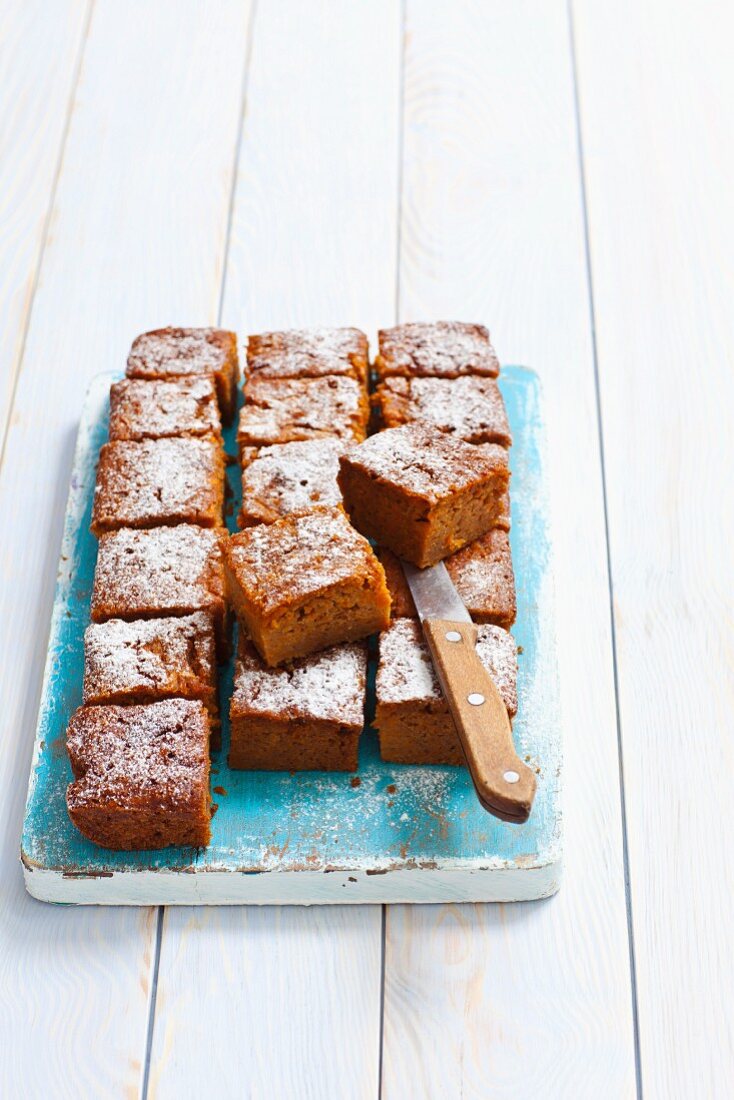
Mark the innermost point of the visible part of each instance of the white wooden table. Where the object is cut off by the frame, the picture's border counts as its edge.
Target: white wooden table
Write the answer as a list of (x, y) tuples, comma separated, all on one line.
[(565, 176)]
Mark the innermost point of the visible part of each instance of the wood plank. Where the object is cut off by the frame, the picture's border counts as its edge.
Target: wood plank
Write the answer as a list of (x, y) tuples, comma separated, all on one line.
[(40, 47), (313, 242), (531, 999), (657, 109), (137, 236)]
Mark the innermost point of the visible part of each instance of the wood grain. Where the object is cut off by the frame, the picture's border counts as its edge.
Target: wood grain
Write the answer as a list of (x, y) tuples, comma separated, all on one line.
[(518, 1001), (40, 47), (657, 108), (313, 242), (136, 237)]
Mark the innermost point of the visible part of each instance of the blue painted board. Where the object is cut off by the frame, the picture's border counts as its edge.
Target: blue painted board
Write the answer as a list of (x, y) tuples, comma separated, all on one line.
[(400, 833)]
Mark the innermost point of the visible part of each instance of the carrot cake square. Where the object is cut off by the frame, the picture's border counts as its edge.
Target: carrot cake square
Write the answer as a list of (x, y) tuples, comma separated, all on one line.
[(290, 477), (173, 352), (155, 410), (284, 410), (309, 353), (141, 774), (159, 482), (151, 659), (412, 716), (439, 349), (160, 572), (307, 716), (470, 407), (421, 493), (304, 583)]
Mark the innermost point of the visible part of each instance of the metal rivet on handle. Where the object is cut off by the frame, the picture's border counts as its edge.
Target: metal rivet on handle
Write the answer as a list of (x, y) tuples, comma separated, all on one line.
[(511, 777), (475, 699), (453, 636)]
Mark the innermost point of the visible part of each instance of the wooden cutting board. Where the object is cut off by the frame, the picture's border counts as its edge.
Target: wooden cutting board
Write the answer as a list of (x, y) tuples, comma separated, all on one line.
[(388, 833)]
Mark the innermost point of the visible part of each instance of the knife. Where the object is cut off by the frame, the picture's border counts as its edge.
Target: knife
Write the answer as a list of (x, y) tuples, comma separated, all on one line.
[(505, 785)]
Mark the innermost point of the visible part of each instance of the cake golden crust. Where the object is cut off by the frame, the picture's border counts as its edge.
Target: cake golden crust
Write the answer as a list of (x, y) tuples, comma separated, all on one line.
[(421, 493), (439, 349), (175, 352), (305, 582), (141, 774)]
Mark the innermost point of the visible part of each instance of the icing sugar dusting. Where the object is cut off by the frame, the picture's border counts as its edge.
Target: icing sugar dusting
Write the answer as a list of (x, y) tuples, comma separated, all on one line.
[(329, 686), (160, 568), (440, 348), (178, 351), (469, 407), (286, 409), (291, 477), (158, 752), (301, 353), (429, 464), (299, 555), (405, 672), (139, 483), (123, 656), (141, 409)]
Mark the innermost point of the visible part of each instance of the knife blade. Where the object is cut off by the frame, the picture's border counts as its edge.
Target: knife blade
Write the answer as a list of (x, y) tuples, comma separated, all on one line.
[(504, 784)]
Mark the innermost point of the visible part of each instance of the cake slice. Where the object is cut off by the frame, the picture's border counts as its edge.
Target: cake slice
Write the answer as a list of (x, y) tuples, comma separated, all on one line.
[(304, 583), (482, 574), (284, 410), (161, 572), (155, 410), (141, 774), (159, 482), (151, 659), (303, 717), (437, 349), (290, 477), (469, 408), (422, 493), (309, 353)]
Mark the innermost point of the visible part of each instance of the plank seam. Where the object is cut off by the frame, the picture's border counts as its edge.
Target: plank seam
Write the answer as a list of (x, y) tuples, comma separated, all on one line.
[(237, 150), (383, 945), (45, 228), (152, 1002), (401, 148), (607, 541), (398, 246)]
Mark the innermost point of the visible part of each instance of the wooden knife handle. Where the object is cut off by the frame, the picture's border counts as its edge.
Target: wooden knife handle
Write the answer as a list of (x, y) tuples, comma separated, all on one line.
[(504, 784)]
